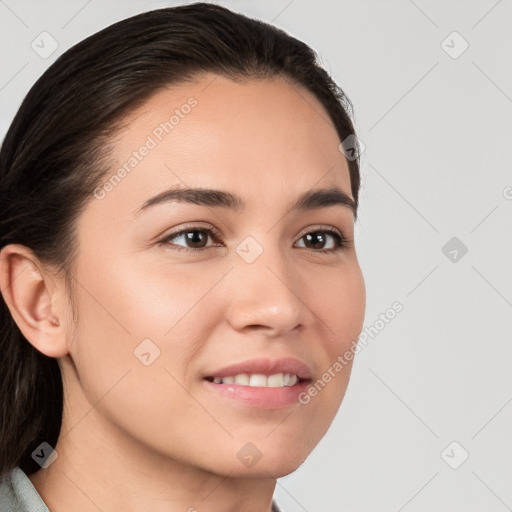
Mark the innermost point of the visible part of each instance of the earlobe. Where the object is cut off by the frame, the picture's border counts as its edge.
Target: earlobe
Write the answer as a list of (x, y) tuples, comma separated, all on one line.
[(29, 293)]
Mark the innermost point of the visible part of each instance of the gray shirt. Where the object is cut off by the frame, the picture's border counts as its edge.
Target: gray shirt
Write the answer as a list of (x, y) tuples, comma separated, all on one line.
[(17, 494)]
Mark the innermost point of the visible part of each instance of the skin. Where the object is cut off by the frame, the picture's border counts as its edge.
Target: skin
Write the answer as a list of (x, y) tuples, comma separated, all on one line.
[(138, 437)]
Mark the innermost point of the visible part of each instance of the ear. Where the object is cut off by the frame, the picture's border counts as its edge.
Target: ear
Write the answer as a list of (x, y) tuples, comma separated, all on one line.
[(30, 292)]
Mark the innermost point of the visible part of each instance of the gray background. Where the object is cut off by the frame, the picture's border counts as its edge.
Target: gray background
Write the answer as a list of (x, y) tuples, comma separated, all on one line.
[(437, 128)]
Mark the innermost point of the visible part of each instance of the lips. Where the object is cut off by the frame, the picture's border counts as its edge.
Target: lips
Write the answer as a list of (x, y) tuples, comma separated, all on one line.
[(264, 366), (277, 383)]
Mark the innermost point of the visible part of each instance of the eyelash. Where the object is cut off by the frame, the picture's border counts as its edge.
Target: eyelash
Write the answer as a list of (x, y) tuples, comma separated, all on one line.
[(343, 242)]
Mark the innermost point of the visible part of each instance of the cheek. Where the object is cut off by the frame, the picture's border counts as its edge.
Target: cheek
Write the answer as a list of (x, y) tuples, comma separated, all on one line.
[(122, 311), (342, 308), (126, 303), (141, 319)]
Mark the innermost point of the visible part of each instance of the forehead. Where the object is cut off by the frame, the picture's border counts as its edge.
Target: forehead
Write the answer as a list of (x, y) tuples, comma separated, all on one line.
[(260, 136)]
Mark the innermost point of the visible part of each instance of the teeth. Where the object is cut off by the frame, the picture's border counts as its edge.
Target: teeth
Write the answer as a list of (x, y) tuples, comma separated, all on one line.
[(242, 379), (275, 381), (259, 380)]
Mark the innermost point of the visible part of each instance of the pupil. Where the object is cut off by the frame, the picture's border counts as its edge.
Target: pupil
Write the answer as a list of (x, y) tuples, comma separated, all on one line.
[(192, 238), (320, 237)]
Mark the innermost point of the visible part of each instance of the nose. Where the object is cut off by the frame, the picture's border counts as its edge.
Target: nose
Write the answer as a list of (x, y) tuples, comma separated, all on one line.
[(267, 295)]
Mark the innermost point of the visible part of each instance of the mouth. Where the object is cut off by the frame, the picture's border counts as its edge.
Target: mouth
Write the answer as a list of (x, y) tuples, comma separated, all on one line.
[(261, 383), (259, 380)]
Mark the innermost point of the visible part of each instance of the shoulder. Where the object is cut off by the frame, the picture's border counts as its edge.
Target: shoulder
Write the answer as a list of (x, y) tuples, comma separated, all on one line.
[(17, 494)]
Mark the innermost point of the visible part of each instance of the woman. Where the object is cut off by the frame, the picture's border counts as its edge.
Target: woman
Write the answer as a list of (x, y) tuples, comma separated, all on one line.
[(178, 269)]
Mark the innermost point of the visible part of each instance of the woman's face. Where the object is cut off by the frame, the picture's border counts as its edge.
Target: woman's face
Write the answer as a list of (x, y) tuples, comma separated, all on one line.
[(157, 321)]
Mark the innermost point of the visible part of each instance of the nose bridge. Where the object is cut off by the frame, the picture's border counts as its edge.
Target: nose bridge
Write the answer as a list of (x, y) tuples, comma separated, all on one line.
[(265, 292)]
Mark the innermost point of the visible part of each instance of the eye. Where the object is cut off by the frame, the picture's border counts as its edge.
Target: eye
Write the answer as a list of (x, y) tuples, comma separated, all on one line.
[(319, 237), (197, 238), (190, 236)]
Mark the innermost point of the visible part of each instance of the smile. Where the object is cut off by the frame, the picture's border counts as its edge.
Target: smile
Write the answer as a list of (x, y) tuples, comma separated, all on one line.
[(277, 380)]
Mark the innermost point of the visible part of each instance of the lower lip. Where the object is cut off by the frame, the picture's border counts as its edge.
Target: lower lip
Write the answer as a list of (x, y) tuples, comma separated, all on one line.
[(261, 397)]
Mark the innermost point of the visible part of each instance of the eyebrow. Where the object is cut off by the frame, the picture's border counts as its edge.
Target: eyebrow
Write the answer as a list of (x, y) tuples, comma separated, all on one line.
[(309, 200)]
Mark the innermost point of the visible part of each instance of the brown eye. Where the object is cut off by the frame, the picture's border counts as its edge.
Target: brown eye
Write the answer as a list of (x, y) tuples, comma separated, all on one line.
[(195, 238), (316, 240)]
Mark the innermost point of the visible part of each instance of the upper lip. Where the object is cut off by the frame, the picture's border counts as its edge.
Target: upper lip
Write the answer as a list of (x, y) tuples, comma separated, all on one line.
[(266, 367)]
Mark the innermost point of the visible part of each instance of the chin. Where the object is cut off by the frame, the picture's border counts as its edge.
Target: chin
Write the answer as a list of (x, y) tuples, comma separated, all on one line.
[(268, 469), (266, 459)]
